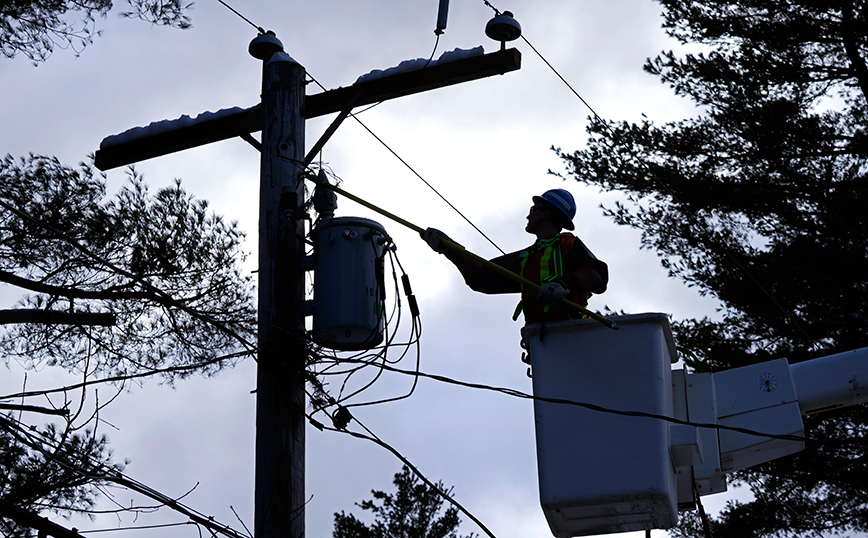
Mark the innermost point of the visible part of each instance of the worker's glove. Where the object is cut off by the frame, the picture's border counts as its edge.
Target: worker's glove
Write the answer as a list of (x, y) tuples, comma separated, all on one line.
[(551, 293), (432, 236)]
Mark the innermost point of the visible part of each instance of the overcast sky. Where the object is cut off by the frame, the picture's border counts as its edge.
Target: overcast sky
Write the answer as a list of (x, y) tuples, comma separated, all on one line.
[(484, 145)]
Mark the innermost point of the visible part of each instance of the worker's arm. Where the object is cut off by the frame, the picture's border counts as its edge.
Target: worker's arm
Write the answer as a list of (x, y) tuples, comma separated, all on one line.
[(486, 280), (476, 276)]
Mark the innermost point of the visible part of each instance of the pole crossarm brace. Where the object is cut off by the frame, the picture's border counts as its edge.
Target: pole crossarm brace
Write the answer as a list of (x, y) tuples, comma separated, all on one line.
[(250, 120)]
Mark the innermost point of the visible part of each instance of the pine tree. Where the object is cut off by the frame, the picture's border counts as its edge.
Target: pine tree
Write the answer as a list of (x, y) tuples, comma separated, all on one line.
[(759, 201), (132, 286), (412, 512)]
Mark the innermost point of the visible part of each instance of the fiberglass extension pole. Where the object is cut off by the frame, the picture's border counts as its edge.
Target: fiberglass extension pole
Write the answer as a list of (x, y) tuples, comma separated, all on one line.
[(461, 250)]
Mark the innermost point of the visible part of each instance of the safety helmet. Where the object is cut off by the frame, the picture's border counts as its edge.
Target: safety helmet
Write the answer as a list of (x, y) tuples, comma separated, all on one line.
[(562, 201)]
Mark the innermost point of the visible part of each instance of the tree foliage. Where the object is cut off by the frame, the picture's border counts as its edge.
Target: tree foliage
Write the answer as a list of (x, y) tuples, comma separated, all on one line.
[(165, 271), (759, 200), (412, 512), (35, 28), (55, 469)]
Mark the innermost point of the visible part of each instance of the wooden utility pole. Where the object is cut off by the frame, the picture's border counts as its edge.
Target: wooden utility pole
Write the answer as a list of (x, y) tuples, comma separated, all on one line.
[(280, 399), (280, 385)]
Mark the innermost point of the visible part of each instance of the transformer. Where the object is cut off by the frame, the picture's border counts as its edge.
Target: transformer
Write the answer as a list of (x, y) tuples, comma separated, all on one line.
[(349, 288)]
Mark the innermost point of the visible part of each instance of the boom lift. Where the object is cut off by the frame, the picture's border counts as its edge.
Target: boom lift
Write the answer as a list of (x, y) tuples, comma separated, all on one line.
[(622, 438)]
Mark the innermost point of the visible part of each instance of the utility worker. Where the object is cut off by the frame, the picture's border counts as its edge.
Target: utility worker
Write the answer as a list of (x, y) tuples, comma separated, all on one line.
[(558, 261)]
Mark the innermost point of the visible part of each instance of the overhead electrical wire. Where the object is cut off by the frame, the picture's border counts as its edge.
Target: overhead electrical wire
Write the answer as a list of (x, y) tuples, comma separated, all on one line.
[(115, 379), (251, 349), (383, 365), (381, 355), (120, 479), (248, 21), (172, 504), (431, 57), (471, 385), (407, 165), (374, 439), (593, 407), (141, 527)]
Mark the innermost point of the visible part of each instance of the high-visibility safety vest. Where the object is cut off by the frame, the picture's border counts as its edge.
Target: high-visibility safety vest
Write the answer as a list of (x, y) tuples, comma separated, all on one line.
[(551, 265)]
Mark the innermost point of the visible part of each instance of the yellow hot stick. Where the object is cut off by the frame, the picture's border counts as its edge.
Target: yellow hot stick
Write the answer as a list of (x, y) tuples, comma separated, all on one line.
[(518, 278), (461, 250)]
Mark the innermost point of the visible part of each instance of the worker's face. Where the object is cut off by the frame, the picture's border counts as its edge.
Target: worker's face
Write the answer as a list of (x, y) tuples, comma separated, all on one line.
[(537, 214)]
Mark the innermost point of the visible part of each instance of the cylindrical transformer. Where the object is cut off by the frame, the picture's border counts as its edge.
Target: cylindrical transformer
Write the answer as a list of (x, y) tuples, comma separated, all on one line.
[(349, 289)]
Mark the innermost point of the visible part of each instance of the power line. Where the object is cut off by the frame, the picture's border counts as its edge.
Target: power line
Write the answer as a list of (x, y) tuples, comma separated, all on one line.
[(593, 407), (407, 165), (114, 379), (28, 438), (248, 21), (374, 439), (169, 502), (120, 479), (142, 527)]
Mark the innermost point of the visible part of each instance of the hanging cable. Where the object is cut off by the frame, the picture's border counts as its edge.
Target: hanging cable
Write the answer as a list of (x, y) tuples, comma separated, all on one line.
[(373, 438), (96, 470), (593, 407), (427, 62), (706, 524)]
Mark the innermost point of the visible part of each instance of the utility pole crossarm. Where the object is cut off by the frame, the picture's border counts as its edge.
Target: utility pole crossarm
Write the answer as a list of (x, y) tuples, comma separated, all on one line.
[(249, 120), (178, 139), (418, 80)]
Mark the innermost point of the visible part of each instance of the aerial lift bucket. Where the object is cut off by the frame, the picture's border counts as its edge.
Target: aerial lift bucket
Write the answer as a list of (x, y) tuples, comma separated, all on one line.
[(601, 472)]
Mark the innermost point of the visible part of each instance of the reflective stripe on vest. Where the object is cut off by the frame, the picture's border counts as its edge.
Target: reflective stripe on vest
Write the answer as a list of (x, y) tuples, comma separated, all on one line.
[(551, 266)]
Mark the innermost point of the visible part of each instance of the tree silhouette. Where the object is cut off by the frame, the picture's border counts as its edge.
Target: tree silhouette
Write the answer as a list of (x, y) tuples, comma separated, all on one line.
[(411, 512), (759, 200), (114, 289)]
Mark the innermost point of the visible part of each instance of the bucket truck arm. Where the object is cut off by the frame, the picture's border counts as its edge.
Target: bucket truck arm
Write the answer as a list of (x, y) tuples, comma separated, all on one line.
[(769, 397)]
